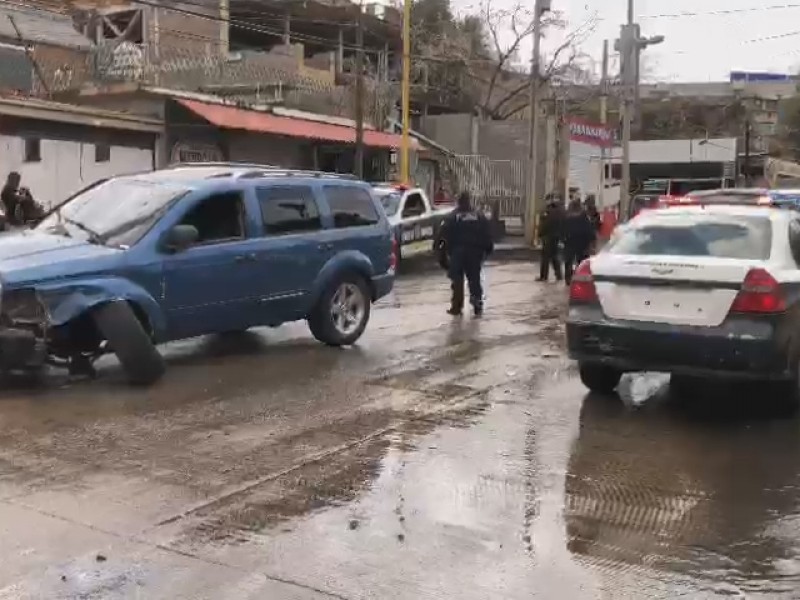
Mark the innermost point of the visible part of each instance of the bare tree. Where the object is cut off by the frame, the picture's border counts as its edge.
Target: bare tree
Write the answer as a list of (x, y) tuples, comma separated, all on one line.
[(501, 81)]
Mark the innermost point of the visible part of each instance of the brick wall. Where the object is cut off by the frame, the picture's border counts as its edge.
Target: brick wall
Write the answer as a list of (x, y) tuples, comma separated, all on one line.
[(179, 30)]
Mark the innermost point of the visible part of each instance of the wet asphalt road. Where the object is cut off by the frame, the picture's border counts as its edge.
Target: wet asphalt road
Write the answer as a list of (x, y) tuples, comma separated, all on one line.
[(438, 459)]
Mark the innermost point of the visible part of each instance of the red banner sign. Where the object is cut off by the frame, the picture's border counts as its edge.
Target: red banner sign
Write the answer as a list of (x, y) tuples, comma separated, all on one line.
[(587, 132)]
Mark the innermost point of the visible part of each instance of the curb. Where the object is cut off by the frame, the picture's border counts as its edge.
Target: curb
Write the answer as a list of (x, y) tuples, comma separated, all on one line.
[(503, 253)]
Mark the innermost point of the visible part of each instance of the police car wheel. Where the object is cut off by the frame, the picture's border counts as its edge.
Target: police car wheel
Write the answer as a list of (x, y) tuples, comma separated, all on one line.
[(599, 378), (342, 312)]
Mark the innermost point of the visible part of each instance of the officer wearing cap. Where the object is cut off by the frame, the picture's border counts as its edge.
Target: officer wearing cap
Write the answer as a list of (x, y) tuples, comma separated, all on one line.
[(467, 240)]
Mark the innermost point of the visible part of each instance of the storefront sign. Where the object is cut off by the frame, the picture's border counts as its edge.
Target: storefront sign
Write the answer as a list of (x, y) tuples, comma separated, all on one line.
[(591, 133)]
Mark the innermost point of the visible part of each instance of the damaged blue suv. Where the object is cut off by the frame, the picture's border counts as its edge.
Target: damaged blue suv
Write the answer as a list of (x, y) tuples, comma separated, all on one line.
[(139, 260)]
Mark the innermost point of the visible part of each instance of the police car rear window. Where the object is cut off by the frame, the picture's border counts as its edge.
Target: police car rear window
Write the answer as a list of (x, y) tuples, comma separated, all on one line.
[(742, 237), (390, 200)]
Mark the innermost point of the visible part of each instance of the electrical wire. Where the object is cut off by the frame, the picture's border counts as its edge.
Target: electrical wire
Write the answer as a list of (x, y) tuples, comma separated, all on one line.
[(722, 12)]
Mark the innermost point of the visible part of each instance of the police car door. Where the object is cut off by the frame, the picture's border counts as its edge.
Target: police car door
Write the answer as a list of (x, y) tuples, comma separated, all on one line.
[(417, 227)]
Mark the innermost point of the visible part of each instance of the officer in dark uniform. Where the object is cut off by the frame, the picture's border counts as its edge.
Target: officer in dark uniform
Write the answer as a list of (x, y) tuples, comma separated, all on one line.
[(551, 225), (467, 240), (579, 236)]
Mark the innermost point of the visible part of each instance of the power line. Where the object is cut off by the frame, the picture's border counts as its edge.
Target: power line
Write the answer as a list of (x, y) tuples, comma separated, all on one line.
[(771, 38), (722, 13)]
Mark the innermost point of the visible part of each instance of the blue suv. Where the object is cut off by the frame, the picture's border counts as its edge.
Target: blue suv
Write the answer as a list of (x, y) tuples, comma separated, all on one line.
[(134, 261)]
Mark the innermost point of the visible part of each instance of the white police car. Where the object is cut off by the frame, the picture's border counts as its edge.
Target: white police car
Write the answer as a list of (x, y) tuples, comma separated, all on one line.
[(703, 290)]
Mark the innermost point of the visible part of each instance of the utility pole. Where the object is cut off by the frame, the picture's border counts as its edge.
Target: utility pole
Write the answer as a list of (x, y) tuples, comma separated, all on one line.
[(604, 122), (630, 45), (359, 155), (532, 205), (746, 165), (405, 167)]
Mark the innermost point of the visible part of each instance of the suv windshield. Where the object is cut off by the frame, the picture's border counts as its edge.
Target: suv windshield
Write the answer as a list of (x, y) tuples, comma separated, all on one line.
[(117, 212), (742, 237), (390, 200)]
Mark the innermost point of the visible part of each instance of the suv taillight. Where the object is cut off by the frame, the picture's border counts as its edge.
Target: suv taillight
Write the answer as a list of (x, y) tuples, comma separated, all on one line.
[(582, 288), (393, 256), (760, 293)]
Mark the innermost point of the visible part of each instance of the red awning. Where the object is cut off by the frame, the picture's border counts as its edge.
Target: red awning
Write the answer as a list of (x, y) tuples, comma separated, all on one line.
[(230, 117)]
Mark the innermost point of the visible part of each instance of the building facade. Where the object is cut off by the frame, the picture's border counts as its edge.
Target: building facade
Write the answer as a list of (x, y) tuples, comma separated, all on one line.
[(59, 149)]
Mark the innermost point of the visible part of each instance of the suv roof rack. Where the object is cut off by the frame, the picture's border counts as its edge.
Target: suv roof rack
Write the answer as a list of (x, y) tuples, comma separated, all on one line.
[(246, 170), (220, 163), (256, 173)]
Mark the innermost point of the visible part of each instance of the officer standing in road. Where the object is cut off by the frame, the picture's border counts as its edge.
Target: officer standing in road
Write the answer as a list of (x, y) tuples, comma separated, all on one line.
[(551, 227), (579, 235), (467, 240)]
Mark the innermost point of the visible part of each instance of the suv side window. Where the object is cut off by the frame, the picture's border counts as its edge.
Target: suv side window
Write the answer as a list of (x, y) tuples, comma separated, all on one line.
[(414, 206), (218, 218), (350, 206), (288, 209)]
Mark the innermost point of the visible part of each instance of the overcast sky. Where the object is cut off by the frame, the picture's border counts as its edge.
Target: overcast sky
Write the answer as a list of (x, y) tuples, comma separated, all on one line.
[(700, 46)]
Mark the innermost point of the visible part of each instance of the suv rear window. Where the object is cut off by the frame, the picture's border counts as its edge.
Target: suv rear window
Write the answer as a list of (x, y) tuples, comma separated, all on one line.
[(742, 237), (350, 206)]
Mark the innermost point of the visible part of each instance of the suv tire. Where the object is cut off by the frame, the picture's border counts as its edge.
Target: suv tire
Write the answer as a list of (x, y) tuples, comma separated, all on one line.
[(599, 378), (342, 311), (141, 361)]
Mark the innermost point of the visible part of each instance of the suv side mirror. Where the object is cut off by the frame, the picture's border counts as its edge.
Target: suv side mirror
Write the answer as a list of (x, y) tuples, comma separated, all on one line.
[(180, 238)]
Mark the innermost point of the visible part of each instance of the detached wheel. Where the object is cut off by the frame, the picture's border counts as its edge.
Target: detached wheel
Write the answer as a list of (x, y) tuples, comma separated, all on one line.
[(342, 312), (599, 378), (126, 337)]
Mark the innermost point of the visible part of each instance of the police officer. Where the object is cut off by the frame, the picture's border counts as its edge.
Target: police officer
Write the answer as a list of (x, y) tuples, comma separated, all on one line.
[(551, 227), (579, 236), (467, 240)]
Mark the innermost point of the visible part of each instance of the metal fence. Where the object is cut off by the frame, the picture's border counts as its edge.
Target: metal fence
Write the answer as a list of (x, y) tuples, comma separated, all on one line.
[(500, 183)]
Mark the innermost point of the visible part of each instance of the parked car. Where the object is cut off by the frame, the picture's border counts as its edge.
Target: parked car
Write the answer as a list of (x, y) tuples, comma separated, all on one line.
[(187, 251), (695, 291), (414, 219)]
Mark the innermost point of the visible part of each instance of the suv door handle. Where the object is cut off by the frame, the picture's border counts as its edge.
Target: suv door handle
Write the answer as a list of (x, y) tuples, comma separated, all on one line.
[(245, 258), (326, 246)]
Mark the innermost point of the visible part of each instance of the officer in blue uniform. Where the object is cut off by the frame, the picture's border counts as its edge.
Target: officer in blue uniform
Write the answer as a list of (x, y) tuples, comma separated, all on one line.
[(466, 238)]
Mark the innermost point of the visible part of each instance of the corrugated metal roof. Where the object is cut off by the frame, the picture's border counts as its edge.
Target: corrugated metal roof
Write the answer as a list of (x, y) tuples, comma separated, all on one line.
[(230, 117), (40, 26), (47, 110)]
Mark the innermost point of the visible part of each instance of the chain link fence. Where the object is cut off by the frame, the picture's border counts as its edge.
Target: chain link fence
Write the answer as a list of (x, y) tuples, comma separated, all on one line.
[(249, 78)]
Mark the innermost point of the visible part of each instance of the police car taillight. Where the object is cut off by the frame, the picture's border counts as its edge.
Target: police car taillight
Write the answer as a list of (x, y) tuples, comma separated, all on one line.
[(760, 293), (581, 289)]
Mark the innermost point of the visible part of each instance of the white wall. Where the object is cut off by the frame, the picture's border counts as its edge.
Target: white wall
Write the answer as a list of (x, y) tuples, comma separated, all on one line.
[(66, 166), (681, 151), (584, 166)]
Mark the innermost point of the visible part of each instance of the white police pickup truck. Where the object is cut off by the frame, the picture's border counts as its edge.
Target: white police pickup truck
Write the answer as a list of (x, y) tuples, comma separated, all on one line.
[(413, 217)]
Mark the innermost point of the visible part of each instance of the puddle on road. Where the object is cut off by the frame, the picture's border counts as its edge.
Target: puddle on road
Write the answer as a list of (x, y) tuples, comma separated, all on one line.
[(679, 504), (448, 490)]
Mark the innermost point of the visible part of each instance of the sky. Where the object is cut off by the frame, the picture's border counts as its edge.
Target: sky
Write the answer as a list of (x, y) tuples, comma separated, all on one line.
[(754, 35)]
